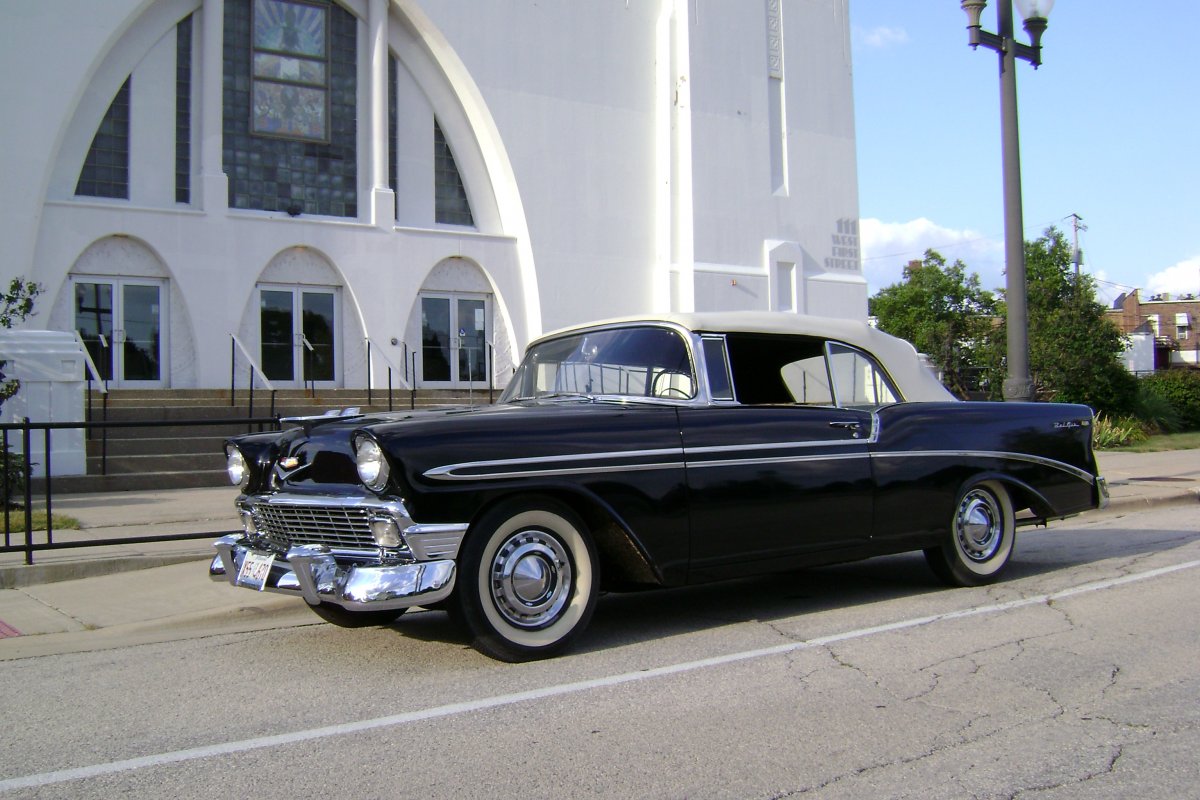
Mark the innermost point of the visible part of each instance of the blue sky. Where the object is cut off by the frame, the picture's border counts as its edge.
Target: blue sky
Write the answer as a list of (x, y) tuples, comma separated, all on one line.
[(1110, 130)]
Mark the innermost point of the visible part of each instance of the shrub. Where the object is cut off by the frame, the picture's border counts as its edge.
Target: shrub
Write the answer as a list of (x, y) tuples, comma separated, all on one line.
[(12, 478), (1181, 388), (1155, 411), (1120, 432)]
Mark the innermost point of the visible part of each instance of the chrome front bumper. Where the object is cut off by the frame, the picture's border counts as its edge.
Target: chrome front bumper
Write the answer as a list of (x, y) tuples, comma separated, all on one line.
[(311, 571)]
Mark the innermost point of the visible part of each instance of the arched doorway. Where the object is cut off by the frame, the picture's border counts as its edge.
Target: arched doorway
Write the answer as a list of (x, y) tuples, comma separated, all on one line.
[(117, 298), (459, 324), (296, 324), (455, 336)]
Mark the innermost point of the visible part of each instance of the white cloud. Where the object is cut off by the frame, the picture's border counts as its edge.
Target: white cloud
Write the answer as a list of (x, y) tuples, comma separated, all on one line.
[(882, 37), (888, 246), (1181, 279)]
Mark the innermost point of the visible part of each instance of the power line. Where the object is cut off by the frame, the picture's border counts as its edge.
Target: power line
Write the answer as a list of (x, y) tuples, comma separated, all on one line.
[(960, 243)]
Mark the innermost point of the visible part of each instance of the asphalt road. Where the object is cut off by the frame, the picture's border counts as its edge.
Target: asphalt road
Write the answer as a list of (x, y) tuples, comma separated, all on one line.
[(1077, 677)]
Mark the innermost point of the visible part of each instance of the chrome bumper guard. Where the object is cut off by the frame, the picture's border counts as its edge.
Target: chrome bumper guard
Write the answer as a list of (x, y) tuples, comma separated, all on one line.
[(1102, 492), (349, 567), (310, 571)]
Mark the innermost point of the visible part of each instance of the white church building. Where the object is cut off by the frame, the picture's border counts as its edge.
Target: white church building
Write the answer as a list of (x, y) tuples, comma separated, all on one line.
[(304, 185)]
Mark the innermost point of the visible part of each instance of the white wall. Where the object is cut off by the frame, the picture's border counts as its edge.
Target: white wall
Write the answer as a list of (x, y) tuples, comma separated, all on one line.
[(611, 150)]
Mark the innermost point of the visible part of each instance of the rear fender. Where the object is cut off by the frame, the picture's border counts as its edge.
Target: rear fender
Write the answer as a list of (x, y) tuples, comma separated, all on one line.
[(1023, 496)]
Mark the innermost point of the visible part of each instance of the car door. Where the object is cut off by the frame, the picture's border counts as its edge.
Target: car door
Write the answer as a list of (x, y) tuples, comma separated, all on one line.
[(769, 484), (778, 465)]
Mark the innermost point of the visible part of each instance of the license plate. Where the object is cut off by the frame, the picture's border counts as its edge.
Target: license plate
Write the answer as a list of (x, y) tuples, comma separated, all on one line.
[(256, 568)]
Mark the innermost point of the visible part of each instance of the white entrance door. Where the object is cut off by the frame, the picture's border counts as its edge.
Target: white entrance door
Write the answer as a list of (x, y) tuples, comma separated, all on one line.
[(455, 332), (298, 335), (122, 322)]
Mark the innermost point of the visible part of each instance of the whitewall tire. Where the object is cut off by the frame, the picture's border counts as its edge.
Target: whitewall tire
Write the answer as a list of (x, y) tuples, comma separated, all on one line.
[(980, 540), (528, 580)]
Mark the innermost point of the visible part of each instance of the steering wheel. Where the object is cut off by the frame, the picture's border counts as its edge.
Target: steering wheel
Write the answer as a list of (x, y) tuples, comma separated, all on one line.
[(669, 390)]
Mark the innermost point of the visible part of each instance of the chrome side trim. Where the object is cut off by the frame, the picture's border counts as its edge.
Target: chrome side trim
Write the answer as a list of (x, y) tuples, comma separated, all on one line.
[(741, 448), (1082, 474), (749, 462), (455, 472), (510, 467)]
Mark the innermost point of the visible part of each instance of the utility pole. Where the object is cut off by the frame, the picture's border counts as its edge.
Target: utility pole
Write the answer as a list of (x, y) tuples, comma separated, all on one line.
[(1076, 253)]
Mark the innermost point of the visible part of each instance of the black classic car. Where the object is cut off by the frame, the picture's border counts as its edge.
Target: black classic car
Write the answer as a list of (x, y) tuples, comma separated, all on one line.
[(643, 453)]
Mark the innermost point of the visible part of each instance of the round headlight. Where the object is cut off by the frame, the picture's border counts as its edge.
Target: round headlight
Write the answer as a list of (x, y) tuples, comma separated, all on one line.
[(235, 465), (372, 466)]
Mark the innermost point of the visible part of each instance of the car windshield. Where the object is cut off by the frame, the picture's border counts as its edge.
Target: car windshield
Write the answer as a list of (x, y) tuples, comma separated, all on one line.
[(633, 362)]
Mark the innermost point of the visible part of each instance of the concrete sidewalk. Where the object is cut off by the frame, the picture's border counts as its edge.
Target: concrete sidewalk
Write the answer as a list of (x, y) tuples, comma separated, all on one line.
[(120, 515), (79, 598)]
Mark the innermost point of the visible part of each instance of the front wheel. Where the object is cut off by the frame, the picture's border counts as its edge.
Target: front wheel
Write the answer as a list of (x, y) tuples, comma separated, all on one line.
[(982, 532), (528, 580)]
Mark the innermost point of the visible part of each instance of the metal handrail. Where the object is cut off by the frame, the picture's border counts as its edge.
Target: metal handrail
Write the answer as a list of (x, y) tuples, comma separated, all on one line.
[(26, 429), (94, 375), (253, 364), (308, 357), (90, 364), (235, 345), (392, 370)]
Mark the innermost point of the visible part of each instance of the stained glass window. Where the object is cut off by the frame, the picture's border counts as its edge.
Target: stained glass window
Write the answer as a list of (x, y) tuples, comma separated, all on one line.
[(290, 96), (288, 174)]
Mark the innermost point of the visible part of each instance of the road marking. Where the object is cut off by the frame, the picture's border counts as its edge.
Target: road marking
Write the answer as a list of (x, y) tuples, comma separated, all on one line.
[(7, 630), (483, 704)]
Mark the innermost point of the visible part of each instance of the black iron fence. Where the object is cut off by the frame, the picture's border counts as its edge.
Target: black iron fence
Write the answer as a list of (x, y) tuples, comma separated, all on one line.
[(17, 482)]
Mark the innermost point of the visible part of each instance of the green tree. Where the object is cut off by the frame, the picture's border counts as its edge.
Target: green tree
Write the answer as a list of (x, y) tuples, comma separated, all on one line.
[(1074, 350), (15, 305), (944, 313)]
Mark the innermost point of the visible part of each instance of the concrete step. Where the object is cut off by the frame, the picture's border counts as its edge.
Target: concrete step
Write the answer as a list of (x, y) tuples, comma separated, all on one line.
[(181, 479), (172, 455), (117, 448), (169, 431), (156, 463)]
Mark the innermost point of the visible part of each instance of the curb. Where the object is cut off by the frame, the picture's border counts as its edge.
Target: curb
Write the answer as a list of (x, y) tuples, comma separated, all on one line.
[(275, 612), (15, 577), (1126, 504)]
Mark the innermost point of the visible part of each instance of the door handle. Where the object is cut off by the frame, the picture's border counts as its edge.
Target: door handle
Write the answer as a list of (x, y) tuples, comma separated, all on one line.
[(855, 428)]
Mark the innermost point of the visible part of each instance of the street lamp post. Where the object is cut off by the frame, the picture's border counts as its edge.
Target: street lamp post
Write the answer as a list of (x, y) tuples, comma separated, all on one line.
[(1018, 385)]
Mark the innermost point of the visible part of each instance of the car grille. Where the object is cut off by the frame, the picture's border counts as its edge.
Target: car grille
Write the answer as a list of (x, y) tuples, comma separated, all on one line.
[(334, 526)]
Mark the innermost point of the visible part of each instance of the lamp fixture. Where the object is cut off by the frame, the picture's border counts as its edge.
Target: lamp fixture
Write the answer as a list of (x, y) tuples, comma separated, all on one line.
[(1033, 12)]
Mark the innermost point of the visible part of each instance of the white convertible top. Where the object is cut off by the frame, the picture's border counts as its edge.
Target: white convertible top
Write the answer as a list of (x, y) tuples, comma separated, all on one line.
[(915, 380)]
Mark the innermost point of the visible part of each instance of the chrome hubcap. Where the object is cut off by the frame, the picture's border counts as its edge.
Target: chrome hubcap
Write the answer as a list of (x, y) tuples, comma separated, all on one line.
[(531, 578), (979, 525)]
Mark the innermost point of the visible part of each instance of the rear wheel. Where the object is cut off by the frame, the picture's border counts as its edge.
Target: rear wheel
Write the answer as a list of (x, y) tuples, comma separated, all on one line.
[(528, 580), (343, 618), (980, 540)]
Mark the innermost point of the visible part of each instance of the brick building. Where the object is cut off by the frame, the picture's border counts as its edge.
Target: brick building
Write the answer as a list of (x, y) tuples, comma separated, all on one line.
[(1170, 323)]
